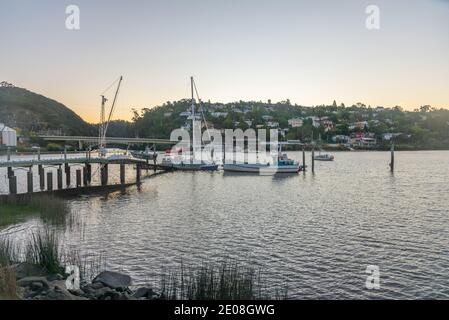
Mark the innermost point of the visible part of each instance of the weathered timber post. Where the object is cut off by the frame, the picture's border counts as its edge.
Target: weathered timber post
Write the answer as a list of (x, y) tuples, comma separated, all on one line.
[(59, 177), (10, 172), (89, 173), (313, 159), (8, 157), (392, 158), (30, 186), (138, 173), (49, 181), (85, 176), (104, 174), (13, 184), (122, 173), (67, 175), (39, 153), (65, 153), (41, 172), (78, 178), (303, 159)]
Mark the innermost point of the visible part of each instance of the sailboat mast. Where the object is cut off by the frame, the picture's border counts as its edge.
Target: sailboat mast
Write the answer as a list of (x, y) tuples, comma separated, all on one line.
[(193, 118)]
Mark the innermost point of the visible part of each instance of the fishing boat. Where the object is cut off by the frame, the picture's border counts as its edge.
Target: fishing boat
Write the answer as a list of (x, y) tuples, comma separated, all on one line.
[(185, 160), (282, 164)]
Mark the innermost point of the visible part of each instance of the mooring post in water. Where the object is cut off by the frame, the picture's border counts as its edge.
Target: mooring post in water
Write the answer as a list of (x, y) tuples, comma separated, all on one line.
[(13, 184), (8, 157), (313, 159), (85, 182), (392, 158), (59, 177), (89, 173), (49, 181), (78, 178), (138, 168), (104, 174), (41, 173), (65, 153), (10, 172), (30, 181), (39, 153), (122, 173), (303, 159), (67, 175)]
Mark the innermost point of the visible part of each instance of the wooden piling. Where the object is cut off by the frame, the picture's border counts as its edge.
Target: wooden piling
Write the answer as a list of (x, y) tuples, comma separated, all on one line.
[(30, 186), (10, 172), (85, 175), (41, 172), (303, 159), (13, 184), (122, 173), (313, 159), (67, 175), (392, 158), (89, 173), (9, 154), (78, 178), (104, 174), (49, 181), (138, 173), (59, 178)]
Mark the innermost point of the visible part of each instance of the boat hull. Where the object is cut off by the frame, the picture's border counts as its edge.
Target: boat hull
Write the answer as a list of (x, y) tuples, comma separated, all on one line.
[(260, 168), (190, 166)]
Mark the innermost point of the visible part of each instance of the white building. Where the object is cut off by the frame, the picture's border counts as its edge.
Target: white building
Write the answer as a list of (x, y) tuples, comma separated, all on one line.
[(8, 136), (219, 114), (295, 122)]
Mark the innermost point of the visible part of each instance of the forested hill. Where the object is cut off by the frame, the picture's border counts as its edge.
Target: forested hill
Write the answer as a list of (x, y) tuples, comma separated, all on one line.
[(20, 108)]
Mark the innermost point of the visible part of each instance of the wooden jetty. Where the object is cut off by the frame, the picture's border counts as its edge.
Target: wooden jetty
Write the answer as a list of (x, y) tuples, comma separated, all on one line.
[(83, 176)]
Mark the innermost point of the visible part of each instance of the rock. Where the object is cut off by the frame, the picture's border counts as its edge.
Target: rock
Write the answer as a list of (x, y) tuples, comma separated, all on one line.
[(25, 269), (54, 277), (113, 280), (144, 293), (29, 281), (78, 292), (36, 286)]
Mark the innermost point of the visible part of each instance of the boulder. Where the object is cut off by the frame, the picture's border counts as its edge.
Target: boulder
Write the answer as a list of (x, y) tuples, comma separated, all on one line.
[(114, 280), (144, 293), (33, 282), (26, 269)]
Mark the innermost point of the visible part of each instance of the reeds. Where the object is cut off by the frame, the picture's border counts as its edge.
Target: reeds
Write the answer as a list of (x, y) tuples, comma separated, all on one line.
[(227, 281), (8, 284), (43, 249)]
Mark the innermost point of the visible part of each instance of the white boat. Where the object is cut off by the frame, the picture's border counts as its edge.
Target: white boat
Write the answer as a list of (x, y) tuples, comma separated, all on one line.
[(283, 165), (324, 157)]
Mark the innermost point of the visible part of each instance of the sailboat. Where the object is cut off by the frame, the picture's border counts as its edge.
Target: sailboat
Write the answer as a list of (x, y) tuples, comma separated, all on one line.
[(323, 156), (183, 160)]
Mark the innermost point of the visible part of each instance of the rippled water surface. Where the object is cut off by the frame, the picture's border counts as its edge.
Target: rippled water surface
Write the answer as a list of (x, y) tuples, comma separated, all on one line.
[(318, 233)]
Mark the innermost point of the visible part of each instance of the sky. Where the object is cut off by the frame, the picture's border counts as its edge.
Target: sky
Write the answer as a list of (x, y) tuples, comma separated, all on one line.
[(310, 52)]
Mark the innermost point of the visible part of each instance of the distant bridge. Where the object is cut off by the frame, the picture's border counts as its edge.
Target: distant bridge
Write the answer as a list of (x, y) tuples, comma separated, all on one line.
[(117, 140)]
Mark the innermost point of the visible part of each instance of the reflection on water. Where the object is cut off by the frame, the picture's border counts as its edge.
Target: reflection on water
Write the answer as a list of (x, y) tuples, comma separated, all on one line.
[(316, 232)]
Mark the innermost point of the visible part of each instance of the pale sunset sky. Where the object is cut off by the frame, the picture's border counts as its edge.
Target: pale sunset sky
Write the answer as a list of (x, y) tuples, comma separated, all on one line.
[(310, 52)]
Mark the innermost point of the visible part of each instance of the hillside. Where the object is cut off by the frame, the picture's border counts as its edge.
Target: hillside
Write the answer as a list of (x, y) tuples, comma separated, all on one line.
[(20, 108)]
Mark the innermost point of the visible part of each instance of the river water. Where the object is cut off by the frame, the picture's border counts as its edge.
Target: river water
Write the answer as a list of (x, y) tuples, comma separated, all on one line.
[(316, 233)]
